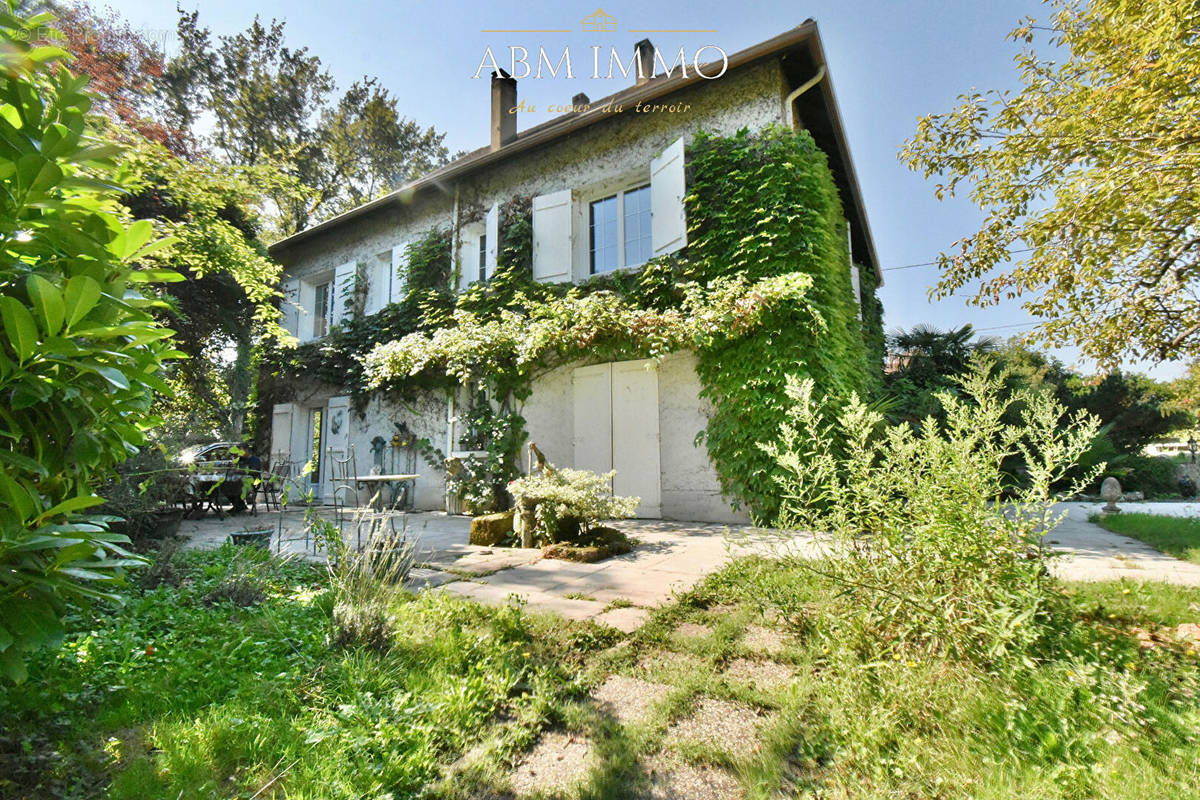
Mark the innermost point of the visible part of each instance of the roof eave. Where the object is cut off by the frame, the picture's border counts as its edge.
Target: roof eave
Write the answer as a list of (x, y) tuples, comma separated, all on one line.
[(444, 177)]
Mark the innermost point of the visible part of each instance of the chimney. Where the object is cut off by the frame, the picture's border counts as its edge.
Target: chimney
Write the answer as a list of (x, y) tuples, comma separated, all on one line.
[(579, 101), (645, 61), (504, 98)]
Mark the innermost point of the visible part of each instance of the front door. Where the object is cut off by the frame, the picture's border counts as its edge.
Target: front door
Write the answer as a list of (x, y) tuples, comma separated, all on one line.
[(616, 428)]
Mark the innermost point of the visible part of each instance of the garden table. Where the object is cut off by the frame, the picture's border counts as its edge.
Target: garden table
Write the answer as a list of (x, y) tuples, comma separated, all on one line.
[(380, 481)]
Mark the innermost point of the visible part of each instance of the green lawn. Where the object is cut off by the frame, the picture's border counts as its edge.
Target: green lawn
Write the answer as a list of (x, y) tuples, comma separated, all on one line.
[(1176, 536), (183, 693)]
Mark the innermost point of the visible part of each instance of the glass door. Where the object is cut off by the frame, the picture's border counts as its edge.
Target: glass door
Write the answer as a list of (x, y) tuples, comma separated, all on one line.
[(316, 429)]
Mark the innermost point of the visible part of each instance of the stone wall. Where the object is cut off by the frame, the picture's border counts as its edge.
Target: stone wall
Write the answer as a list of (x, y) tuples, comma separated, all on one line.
[(750, 97)]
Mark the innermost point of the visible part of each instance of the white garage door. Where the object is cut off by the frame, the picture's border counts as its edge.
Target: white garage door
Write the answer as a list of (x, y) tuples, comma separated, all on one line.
[(616, 427)]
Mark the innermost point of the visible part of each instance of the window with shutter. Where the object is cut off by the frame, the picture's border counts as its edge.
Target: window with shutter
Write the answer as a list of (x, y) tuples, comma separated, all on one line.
[(322, 301)]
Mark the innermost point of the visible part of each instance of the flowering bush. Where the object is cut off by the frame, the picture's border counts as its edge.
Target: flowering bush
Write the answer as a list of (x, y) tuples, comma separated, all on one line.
[(576, 324), (570, 502)]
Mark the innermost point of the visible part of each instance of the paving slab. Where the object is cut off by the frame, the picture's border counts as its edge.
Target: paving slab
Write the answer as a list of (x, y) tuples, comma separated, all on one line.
[(628, 699), (423, 578), (1090, 553), (558, 761), (672, 778), (627, 620), (732, 727)]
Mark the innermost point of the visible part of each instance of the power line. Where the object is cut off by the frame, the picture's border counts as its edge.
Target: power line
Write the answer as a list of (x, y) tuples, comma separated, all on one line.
[(933, 263), (1002, 327)]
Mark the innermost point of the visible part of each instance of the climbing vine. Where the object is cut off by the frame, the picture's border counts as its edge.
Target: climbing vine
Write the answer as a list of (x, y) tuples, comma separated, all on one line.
[(761, 292), (766, 204)]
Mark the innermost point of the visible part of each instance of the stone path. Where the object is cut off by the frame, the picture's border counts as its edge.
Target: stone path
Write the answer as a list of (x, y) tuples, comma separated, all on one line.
[(671, 557), (1094, 554), (618, 591), (694, 749)]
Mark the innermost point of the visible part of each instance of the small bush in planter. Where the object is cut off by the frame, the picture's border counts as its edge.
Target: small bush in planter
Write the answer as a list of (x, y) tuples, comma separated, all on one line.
[(569, 502), (599, 543)]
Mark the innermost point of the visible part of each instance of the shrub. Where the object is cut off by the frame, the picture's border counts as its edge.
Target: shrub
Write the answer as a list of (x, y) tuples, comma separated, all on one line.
[(1152, 476), (366, 585), (599, 543), (141, 492), (79, 351), (930, 554), (569, 502)]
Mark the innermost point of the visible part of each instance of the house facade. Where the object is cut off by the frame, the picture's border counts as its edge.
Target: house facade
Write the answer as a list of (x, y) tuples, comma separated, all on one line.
[(607, 191)]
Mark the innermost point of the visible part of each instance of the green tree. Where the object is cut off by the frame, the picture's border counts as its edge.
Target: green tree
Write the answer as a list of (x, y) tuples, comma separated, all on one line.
[(924, 361), (226, 301), (80, 352), (1088, 173), (271, 104), (212, 210)]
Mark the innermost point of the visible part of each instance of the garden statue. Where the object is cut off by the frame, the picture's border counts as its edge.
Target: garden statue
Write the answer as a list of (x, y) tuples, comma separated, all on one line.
[(1110, 492), (377, 446)]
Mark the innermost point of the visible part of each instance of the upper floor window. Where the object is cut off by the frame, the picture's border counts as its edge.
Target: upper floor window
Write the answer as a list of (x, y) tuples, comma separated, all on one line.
[(322, 307), (619, 230)]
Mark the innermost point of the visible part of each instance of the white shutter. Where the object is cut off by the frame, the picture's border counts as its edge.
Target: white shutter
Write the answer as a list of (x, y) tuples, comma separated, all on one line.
[(379, 283), (338, 436), (343, 292), (491, 229), (304, 313), (289, 306), (281, 432), (635, 435), (856, 287), (668, 220), (468, 260), (552, 237), (399, 274)]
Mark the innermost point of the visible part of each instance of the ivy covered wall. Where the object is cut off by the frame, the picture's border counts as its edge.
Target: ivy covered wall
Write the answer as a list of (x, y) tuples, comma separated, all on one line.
[(766, 204), (763, 290)]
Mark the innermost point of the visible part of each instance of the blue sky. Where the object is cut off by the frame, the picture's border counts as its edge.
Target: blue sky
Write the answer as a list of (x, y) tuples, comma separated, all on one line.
[(891, 62)]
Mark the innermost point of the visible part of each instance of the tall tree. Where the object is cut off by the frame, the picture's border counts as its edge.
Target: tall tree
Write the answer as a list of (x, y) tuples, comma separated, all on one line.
[(213, 212), (123, 66), (272, 104), (226, 300), (1088, 173), (924, 360)]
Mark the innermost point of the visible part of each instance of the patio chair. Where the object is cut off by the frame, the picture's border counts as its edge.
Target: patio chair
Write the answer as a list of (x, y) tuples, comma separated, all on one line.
[(342, 472), (271, 485), (294, 493), (213, 493)]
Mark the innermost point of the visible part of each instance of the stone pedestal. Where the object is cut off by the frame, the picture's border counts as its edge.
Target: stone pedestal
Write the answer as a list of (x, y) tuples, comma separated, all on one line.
[(1110, 491)]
